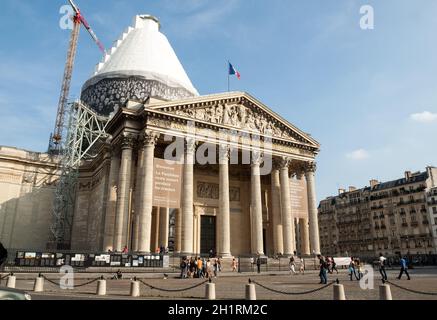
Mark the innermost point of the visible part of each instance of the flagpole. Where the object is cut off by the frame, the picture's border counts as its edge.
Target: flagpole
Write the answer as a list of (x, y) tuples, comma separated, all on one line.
[(227, 68)]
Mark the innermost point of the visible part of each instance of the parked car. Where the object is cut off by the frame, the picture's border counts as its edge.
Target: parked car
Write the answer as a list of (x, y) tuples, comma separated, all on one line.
[(13, 294)]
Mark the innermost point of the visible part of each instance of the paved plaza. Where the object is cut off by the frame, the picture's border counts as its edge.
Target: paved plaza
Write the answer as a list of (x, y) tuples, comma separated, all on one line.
[(232, 286)]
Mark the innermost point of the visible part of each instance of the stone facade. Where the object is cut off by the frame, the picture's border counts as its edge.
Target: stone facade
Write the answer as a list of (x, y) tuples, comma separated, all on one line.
[(27, 184), (432, 209), (391, 217), (114, 210)]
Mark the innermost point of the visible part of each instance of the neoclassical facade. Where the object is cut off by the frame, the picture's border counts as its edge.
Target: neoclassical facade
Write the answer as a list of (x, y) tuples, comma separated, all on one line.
[(229, 205), (246, 176)]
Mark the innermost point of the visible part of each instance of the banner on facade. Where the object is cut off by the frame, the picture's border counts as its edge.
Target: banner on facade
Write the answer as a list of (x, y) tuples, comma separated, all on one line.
[(299, 198), (167, 184)]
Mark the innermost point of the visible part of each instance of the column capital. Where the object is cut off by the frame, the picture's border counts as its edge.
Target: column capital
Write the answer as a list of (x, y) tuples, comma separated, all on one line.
[(190, 145), (224, 153), (150, 138), (128, 141), (256, 158), (310, 167), (284, 162)]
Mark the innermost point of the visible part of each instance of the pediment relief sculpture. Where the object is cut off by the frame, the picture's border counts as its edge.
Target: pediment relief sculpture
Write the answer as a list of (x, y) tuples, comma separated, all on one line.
[(241, 117)]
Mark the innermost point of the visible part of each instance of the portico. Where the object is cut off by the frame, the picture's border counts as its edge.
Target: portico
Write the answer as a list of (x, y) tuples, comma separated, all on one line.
[(241, 195)]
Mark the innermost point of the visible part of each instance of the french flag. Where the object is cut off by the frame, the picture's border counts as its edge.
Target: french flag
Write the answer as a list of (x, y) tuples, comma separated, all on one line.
[(233, 71)]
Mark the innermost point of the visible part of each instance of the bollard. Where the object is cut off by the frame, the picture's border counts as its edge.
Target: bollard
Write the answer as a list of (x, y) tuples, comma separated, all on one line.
[(39, 284), (210, 291), (134, 289), (101, 287), (339, 292), (11, 281), (250, 291), (385, 292)]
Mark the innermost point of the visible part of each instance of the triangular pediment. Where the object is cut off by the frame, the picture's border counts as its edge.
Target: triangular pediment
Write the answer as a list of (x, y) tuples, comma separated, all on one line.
[(239, 111)]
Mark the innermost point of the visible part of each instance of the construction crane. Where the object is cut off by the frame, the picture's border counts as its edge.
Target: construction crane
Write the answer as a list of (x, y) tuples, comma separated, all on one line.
[(78, 20), (72, 143)]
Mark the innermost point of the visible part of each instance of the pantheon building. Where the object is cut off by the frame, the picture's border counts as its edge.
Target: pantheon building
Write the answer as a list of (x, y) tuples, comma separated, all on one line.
[(241, 180)]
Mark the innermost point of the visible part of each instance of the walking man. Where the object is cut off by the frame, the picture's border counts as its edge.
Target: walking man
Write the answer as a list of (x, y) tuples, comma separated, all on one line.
[(404, 268), (382, 261), (323, 269)]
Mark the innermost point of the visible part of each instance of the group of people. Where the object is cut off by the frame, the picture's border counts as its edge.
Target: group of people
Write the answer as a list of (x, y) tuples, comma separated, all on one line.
[(200, 267), (355, 268), (292, 266), (404, 267)]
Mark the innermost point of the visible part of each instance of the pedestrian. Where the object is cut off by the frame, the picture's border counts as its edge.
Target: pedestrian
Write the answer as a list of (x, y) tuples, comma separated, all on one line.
[(234, 265), (404, 268), (200, 268), (215, 265), (323, 269), (334, 266), (302, 266), (183, 267), (352, 269), (382, 261), (252, 262), (125, 250), (258, 264), (359, 268), (292, 265)]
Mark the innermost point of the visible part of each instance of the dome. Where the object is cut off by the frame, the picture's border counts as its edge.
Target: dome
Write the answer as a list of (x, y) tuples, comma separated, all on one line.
[(141, 64)]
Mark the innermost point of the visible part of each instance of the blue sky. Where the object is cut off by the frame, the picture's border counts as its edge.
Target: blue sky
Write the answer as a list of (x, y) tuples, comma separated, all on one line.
[(369, 97)]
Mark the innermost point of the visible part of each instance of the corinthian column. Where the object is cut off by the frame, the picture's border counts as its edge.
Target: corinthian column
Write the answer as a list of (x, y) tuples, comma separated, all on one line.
[(136, 228), (145, 197), (278, 241), (163, 226), (287, 220), (256, 204), (223, 219), (187, 199), (108, 240), (124, 180), (304, 230), (312, 208)]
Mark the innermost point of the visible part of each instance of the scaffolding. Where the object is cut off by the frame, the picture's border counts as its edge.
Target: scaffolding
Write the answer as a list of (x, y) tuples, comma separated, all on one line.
[(85, 129)]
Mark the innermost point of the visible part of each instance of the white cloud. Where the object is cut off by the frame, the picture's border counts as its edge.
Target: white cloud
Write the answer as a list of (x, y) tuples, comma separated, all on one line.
[(424, 117), (359, 154)]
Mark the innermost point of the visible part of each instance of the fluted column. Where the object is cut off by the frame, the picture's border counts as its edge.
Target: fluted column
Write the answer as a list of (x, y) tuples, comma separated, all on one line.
[(256, 204), (124, 180), (146, 192), (187, 198), (223, 219), (136, 229), (278, 241), (163, 226), (110, 213), (312, 208), (178, 231), (304, 237), (287, 220)]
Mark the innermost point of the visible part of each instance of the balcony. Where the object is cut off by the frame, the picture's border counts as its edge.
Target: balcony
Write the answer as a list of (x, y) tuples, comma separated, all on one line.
[(414, 224), (405, 225), (425, 222)]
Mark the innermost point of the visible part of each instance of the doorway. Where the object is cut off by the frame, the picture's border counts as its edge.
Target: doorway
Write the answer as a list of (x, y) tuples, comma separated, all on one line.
[(207, 234)]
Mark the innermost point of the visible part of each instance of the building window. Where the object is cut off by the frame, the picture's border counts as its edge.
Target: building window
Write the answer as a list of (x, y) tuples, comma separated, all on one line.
[(434, 210)]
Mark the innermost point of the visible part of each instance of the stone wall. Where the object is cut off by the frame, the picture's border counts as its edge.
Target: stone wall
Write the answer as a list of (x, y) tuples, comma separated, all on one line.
[(27, 185), (89, 215)]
